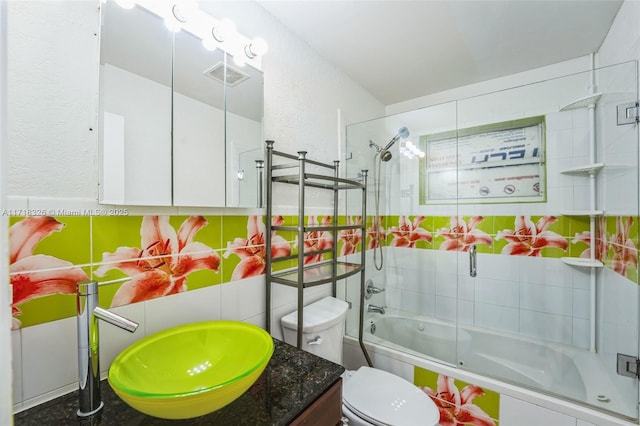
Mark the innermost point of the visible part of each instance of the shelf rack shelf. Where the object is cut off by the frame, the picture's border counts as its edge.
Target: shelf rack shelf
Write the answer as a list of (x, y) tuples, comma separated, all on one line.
[(329, 270)]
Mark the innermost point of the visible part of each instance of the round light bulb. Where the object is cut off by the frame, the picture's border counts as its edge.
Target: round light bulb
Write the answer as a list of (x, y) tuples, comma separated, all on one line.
[(210, 43), (223, 29), (185, 10), (259, 46)]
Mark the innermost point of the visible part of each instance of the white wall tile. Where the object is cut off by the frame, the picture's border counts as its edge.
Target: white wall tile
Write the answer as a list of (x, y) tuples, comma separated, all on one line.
[(549, 327), (497, 317), (467, 287), (446, 308), (504, 268), (558, 140), (581, 333), (419, 303), (258, 320), (114, 340), (191, 306), (514, 412), (549, 299), (49, 363), (497, 292), (546, 271), (245, 298), (581, 303), (447, 285), (16, 360), (394, 298), (466, 311)]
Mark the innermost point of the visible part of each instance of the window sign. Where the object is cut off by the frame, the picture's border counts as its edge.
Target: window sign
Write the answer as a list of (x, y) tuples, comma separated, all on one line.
[(498, 163)]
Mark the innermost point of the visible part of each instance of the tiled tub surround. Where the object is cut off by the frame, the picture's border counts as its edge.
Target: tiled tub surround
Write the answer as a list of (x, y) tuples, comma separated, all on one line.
[(519, 292), (522, 286), (292, 380)]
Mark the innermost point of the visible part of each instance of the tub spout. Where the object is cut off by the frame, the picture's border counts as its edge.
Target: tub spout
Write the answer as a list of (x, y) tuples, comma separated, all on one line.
[(374, 308), (88, 314)]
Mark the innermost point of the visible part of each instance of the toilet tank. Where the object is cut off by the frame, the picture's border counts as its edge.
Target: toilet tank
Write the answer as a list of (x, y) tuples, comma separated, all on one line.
[(322, 328)]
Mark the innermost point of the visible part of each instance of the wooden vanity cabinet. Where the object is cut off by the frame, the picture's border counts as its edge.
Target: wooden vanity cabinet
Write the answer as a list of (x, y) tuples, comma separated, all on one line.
[(324, 411)]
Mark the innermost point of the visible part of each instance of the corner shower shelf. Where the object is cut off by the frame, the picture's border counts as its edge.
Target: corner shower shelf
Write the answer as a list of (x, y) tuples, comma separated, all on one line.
[(582, 262), (583, 212), (587, 169), (583, 102), (329, 269)]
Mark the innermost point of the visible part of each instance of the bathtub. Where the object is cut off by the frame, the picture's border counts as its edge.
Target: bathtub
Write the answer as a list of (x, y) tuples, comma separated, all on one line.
[(553, 369)]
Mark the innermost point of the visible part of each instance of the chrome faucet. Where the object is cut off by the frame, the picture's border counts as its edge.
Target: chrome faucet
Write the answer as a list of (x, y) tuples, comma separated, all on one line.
[(372, 289), (374, 308), (88, 314)]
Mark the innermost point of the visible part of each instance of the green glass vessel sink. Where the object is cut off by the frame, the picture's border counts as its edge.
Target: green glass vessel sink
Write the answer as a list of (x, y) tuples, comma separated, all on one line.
[(191, 370)]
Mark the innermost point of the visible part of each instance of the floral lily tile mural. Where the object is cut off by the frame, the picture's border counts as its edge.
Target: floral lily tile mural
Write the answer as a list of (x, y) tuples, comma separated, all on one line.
[(317, 240), (528, 239), (46, 257), (251, 249), (376, 233), (163, 261), (409, 232), (461, 235), (153, 256), (350, 239), (459, 403)]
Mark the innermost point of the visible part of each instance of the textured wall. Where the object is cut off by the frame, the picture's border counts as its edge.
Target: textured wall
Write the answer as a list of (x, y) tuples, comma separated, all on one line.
[(53, 93)]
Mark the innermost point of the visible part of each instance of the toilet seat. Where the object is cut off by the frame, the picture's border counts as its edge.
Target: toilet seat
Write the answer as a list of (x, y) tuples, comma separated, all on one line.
[(384, 399)]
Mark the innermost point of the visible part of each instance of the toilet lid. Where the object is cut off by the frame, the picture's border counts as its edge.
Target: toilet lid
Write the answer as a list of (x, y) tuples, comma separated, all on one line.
[(385, 399)]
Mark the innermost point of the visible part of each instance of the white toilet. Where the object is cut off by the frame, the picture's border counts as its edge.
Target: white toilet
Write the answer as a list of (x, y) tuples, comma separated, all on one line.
[(369, 396)]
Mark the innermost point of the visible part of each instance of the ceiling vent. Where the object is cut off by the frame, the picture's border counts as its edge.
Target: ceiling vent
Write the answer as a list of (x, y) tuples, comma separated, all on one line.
[(234, 75)]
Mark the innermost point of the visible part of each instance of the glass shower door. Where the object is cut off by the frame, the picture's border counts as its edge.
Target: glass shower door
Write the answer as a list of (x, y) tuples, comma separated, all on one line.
[(547, 191), (413, 279)]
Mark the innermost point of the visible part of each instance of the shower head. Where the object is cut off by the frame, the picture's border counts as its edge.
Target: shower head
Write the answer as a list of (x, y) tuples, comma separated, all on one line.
[(403, 133)]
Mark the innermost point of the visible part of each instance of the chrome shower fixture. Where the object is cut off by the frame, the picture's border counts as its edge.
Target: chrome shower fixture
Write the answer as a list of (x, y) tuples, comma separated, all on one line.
[(385, 155)]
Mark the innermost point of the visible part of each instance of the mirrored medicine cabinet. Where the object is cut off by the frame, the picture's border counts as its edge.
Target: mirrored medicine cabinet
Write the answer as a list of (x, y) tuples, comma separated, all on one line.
[(180, 125)]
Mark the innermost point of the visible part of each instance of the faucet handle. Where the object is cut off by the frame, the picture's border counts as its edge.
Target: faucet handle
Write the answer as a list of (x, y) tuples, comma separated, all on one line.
[(372, 289)]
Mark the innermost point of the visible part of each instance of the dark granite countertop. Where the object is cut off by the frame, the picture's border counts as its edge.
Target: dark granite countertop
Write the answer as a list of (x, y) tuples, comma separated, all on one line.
[(292, 380)]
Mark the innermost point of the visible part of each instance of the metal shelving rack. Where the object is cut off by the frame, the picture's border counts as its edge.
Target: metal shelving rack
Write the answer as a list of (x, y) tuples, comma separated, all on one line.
[(294, 171)]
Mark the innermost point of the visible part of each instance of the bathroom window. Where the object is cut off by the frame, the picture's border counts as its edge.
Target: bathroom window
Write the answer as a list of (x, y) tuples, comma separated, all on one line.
[(495, 163)]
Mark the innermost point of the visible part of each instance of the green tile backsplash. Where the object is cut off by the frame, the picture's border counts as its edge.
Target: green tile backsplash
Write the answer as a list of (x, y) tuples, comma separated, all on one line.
[(152, 256)]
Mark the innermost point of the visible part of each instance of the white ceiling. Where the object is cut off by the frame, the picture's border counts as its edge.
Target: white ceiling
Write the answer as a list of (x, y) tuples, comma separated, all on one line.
[(400, 50)]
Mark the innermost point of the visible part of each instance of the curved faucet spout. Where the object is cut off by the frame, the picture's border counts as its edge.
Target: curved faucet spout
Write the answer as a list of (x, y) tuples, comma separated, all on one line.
[(115, 319)]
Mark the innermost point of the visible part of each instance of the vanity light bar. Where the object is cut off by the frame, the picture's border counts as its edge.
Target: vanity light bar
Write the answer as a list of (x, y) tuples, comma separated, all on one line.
[(214, 33)]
